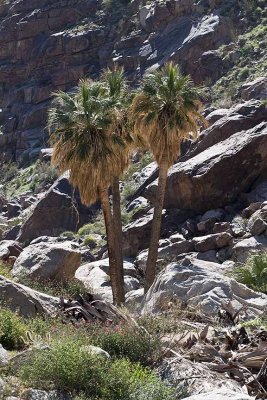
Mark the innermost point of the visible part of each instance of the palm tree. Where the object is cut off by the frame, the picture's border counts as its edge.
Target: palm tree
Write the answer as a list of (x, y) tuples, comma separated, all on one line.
[(86, 145), (164, 112), (253, 273)]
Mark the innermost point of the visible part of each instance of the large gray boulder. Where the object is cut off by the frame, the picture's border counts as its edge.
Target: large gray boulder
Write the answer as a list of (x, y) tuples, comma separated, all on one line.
[(218, 175), (246, 247), (202, 284), (47, 260), (241, 117), (220, 394), (59, 210), (26, 301), (95, 277)]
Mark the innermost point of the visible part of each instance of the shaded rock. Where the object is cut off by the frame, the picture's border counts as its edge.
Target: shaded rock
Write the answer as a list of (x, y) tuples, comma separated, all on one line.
[(57, 261), (222, 227), (257, 222), (136, 235), (200, 283), (9, 248), (258, 194), (243, 116), (136, 204), (128, 268), (194, 184), (209, 255), (167, 253), (215, 115), (26, 301), (256, 89), (211, 242), (246, 247), (251, 209), (59, 210), (13, 209)]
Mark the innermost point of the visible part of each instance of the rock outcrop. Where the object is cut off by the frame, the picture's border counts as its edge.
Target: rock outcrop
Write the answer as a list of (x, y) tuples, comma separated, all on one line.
[(47, 261), (217, 175), (60, 209), (201, 284), (49, 45), (25, 301)]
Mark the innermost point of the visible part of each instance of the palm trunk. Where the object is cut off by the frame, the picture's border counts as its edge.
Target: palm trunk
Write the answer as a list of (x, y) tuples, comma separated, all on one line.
[(118, 236), (103, 195), (156, 225)]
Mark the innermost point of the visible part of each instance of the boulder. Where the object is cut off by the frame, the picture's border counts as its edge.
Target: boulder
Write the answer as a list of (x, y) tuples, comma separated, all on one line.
[(4, 358), (166, 253), (46, 154), (9, 248), (256, 89), (136, 235), (57, 261), (26, 301), (215, 115), (211, 242), (246, 247), (241, 117), (220, 394), (133, 300), (195, 185), (202, 284), (258, 194), (13, 209), (257, 222), (96, 279), (175, 369), (58, 210)]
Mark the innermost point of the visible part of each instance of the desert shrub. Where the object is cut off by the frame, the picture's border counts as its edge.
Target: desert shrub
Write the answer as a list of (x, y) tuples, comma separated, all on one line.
[(97, 227), (5, 270), (253, 273), (68, 235), (12, 329), (90, 241), (125, 341), (69, 365)]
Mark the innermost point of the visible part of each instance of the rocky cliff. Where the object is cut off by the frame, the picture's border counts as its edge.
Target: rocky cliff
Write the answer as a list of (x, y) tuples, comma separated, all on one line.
[(48, 45)]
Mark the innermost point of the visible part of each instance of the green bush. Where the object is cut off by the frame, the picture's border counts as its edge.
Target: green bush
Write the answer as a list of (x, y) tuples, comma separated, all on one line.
[(90, 241), (68, 235), (253, 273), (5, 270), (12, 329), (68, 365), (125, 341)]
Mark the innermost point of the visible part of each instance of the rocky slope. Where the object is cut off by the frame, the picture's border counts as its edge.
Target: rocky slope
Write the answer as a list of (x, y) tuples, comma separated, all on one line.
[(49, 45)]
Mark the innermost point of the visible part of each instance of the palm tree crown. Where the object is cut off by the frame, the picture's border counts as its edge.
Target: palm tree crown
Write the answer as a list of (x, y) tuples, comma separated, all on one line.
[(86, 143), (166, 111)]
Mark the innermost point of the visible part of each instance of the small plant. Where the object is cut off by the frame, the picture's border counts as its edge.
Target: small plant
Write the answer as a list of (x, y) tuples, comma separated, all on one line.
[(253, 273), (12, 329), (5, 270), (68, 235), (90, 241)]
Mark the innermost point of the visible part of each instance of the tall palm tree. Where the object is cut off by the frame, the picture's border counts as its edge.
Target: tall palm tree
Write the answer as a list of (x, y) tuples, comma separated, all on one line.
[(86, 145), (164, 112), (120, 98)]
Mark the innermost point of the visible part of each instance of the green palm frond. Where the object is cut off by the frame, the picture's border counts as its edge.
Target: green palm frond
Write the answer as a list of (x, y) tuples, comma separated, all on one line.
[(253, 273), (166, 110)]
